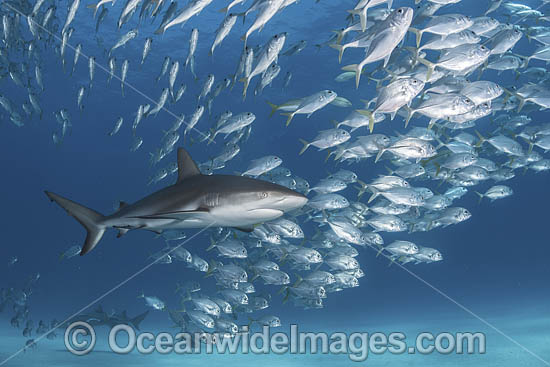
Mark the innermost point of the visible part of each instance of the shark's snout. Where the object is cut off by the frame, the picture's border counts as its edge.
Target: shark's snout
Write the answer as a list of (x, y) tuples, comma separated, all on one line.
[(291, 202)]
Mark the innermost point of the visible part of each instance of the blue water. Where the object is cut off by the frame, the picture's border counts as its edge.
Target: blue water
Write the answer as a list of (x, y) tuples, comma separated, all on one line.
[(495, 264)]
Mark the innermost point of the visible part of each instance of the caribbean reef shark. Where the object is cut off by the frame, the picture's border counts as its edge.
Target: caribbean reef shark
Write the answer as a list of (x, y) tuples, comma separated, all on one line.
[(194, 201)]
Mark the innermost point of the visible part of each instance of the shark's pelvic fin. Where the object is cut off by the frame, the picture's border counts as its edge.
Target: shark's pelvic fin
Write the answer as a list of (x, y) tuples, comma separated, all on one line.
[(122, 232), (90, 219), (186, 166)]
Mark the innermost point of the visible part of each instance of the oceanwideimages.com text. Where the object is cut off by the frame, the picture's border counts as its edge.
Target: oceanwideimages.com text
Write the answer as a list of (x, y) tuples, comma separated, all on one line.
[(80, 338)]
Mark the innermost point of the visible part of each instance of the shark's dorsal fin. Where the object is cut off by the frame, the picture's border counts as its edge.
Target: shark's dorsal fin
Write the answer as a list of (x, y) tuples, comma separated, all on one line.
[(186, 166)]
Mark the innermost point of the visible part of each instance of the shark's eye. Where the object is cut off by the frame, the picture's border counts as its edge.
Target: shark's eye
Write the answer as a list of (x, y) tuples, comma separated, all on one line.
[(263, 195)]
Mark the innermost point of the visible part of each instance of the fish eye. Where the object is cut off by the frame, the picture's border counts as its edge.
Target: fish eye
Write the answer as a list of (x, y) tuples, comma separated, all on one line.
[(400, 11)]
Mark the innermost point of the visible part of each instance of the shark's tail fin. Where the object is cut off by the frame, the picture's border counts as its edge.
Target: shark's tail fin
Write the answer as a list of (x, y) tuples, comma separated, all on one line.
[(89, 218), (138, 319)]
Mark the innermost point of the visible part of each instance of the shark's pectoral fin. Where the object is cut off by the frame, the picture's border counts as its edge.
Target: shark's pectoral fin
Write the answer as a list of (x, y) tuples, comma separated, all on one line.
[(177, 215), (246, 229)]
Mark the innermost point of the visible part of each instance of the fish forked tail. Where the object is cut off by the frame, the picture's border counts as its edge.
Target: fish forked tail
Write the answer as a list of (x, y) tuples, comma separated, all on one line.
[(290, 117), (358, 68), (212, 244), (362, 14), (212, 136), (511, 93), (410, 113), (306, 145), (370, 116), (375, 194), (340, 48), (429, 65), (274, 108), (529, 142), (418, 34), (481, 139), (90, 219), (341, 33), (362, 189), (212, 267), (379, 155), (480, 197)]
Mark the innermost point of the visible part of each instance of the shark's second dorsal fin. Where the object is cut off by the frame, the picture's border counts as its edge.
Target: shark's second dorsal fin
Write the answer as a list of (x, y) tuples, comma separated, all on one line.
[(186, 166)]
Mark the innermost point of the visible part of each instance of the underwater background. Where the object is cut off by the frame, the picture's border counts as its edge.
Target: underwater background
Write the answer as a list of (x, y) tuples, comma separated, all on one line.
[(495, 264)]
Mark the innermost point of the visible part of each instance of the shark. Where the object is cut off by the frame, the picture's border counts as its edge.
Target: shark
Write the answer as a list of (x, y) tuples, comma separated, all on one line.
[(194, 201), (99, 317)]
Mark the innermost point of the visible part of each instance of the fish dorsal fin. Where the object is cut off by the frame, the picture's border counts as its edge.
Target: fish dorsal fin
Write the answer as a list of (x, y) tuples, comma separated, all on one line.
[(186, 166)]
